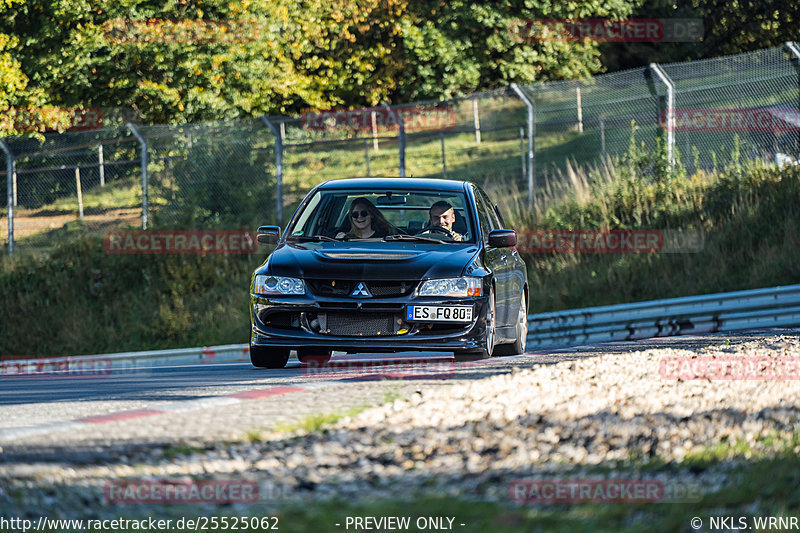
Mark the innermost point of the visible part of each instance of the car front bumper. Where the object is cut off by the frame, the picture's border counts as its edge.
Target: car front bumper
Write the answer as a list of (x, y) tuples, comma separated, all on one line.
[(374, 325)]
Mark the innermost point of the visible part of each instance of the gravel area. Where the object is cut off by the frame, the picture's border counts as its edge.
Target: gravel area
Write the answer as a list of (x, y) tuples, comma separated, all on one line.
[(576, 418)]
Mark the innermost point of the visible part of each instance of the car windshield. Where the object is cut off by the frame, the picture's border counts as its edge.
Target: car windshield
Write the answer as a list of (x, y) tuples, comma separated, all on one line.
[(390, 215)]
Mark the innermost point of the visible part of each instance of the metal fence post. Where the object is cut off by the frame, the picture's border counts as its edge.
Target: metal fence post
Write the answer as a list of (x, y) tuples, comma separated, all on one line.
[(278, 167), (401, 142), (522, 150), (14, 182), (580, 108), (444, 159), (476, 121), (9, 193), (79, 190), (603, 137), (374, 132), (794, 49), (145, 161), (366, 155), (102, 167), (531, 141), (670, 111), (401, 146)]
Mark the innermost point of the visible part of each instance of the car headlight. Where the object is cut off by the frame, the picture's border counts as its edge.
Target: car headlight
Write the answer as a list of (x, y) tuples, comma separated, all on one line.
[(466, 286), (278, 285)]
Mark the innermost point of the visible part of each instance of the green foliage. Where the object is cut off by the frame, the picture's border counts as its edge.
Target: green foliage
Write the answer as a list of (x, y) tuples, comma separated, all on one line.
[(748, 216), (80, 299), (219, 183), (220, 59), (727, 28), (462, 46)]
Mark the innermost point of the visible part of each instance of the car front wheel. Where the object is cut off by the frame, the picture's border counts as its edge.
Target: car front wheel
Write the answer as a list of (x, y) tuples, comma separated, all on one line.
[(264, 357), (518, 346), (488, 340)]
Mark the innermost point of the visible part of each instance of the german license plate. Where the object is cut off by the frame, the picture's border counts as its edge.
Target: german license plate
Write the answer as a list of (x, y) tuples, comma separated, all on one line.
[(439, 313)]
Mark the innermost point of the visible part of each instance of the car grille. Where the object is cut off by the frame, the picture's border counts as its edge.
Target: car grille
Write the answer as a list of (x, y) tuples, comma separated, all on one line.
[(379, 289), (350, 324), (280, 320)]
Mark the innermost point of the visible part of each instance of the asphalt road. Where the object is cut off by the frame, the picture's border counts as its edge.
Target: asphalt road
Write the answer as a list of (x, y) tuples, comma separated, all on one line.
[(162, 405), (152, 382)]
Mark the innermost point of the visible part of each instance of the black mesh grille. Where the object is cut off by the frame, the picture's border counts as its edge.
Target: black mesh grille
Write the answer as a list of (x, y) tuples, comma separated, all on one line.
[(378, 289), (330, 287), (280, 320), (361, 324)]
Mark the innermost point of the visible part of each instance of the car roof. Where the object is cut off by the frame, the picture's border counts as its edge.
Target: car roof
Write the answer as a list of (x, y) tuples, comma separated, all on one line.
[(393, 183)]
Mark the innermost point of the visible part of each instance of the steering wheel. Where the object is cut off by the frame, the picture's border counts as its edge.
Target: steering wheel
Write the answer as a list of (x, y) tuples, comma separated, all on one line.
[(436, 229)]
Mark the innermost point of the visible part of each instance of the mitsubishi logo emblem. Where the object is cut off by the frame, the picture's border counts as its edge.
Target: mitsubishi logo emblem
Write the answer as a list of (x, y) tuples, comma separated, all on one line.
[(361, 291)]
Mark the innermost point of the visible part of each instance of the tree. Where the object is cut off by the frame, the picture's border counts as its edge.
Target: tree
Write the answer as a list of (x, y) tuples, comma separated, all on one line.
[(729, 27), (460, 46), (189, 60)]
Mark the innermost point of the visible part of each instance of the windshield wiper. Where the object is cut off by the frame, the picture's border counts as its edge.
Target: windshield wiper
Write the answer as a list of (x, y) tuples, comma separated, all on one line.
[(311, 238), (412, 238)]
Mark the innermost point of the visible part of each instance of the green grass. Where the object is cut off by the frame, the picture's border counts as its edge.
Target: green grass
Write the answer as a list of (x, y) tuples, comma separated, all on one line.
[(761, 481), (762, 485), (122, 193), (178, 450), (78, 299), (318, 421), (70, 297), (749, 216)]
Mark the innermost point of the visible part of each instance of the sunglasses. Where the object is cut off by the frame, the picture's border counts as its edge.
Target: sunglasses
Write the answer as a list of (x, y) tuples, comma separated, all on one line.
[(360, 214)]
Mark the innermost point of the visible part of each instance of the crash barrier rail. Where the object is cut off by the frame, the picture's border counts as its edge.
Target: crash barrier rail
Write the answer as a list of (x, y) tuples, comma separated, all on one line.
[(129, 361), (727, 311), (772, 307)]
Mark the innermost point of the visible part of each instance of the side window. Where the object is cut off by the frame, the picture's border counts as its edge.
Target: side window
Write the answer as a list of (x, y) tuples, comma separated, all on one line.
[(483, 217), (493, 219)]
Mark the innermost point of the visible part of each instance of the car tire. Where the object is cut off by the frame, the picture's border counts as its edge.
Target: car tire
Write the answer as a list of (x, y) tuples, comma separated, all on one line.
[(264, 357), (316, 357), (518, 346), (489, 347)]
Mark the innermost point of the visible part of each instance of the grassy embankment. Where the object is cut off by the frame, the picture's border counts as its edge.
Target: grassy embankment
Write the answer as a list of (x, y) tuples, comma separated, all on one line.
[(75, 298)]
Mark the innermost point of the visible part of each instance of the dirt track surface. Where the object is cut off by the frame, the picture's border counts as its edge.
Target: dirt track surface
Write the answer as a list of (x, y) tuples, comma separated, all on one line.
[(28, 223)]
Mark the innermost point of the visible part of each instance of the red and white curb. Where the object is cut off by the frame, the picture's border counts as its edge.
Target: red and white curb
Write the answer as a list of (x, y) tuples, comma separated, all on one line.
[(12, 434), (16, 433)]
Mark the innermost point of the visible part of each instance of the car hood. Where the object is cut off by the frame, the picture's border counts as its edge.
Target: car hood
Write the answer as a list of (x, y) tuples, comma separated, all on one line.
[(374, 260)]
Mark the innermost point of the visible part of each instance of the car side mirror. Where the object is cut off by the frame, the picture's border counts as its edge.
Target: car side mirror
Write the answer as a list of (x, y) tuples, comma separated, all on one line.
[(268, 234), (503, 238)]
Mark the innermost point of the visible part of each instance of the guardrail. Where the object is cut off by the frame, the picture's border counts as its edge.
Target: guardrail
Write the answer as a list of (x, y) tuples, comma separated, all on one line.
[(128, 361), (727, 311)]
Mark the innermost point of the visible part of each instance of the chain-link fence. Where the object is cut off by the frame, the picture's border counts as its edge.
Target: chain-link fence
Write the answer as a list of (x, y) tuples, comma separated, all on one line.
[(238, 174)]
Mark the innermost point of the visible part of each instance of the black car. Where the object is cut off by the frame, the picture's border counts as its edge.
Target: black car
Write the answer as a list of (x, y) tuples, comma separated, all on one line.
[(364, 267)]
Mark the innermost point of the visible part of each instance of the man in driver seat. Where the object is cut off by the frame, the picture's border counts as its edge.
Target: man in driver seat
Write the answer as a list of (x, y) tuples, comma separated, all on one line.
[(442, 215)]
